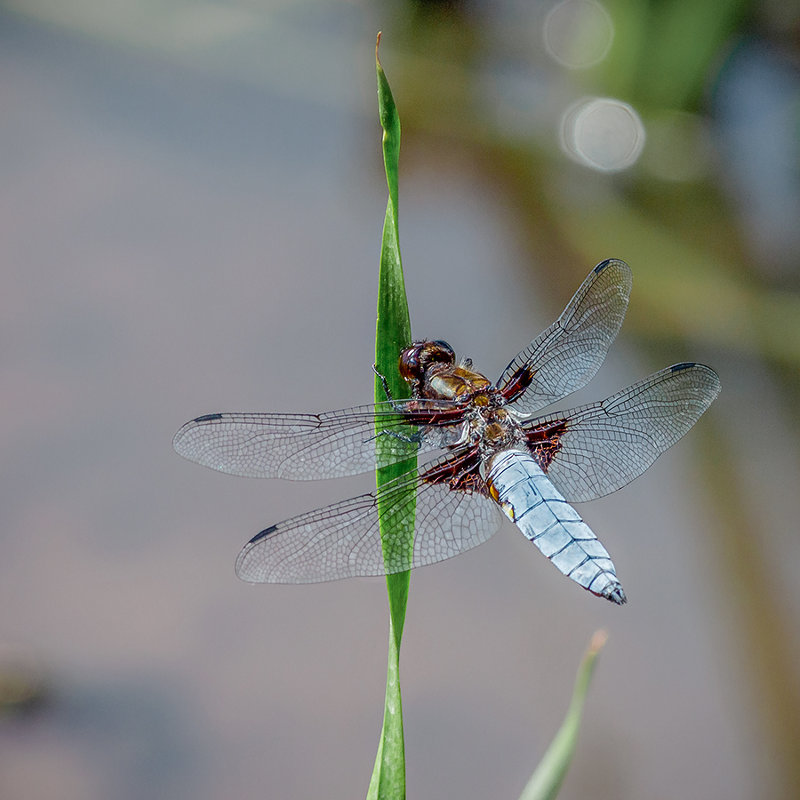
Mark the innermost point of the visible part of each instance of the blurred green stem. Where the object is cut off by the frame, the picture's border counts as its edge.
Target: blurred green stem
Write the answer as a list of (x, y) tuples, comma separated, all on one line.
[(549, 775)]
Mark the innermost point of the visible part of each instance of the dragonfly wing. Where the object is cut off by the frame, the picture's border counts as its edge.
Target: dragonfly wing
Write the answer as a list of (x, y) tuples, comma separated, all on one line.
[(596, 449), (343, 540), (309, 446), (566, 356)]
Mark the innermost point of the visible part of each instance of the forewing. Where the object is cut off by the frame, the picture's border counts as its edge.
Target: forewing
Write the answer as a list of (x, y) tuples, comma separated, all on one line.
[(599, 448), (311, 446), (566, 356), (343, 540)]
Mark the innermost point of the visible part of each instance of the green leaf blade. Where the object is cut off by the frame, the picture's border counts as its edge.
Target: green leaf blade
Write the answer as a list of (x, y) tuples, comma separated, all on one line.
[(392, 334)]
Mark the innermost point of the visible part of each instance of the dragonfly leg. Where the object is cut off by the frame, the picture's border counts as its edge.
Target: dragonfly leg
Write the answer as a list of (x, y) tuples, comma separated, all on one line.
[(386, 390), (414, 438)]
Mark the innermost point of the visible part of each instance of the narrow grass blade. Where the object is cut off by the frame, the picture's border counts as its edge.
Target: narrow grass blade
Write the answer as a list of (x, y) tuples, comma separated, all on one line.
[(393, 332), (549, 775)]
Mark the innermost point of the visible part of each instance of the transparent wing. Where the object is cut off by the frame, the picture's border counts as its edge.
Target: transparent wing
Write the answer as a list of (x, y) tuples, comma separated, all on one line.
[(343, 540), (566, 356), (314, 446), (599, 448)]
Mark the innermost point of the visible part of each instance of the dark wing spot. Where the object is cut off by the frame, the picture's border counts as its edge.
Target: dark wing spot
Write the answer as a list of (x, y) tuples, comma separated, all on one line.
[(208, 418), (683, 366), (263, 535), (601, 266)]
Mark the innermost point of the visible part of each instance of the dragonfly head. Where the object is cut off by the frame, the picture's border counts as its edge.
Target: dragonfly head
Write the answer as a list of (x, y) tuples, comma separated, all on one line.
[(419, 357)]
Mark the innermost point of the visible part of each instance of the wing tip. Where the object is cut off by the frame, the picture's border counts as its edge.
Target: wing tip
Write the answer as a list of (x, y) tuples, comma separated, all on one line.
[(713, 384), (178, 439), (263, 534), (619, 276), (185, 429), (686, 365), (244, 568), (604, 265), (621, 265)]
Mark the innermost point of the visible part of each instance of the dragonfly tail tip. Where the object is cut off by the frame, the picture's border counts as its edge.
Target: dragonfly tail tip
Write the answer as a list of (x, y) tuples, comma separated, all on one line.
[(617, 595)]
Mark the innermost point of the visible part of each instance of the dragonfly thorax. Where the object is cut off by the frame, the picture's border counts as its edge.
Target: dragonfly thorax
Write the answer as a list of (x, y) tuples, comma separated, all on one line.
[(432, 373), (493, 429)]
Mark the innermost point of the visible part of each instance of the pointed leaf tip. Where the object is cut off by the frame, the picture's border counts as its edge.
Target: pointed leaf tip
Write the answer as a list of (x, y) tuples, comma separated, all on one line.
[(597, 643)]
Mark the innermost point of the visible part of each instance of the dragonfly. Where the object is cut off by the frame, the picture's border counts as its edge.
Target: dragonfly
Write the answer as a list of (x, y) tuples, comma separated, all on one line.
[(484, 453)]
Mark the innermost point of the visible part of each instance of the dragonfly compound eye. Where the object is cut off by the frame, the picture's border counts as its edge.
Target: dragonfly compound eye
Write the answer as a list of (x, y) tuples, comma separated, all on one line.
[(416, 358)]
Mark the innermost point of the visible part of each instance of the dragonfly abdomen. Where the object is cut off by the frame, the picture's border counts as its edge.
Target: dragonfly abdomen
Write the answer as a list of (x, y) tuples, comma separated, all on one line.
[(528, 498)]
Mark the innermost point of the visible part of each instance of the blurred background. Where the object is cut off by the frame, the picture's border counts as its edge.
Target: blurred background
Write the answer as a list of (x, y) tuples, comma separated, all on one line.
[(192, 199)]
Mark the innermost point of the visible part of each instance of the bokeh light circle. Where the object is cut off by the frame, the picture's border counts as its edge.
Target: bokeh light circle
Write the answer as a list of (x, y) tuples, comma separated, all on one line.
[(602, 133), (578, 33)]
